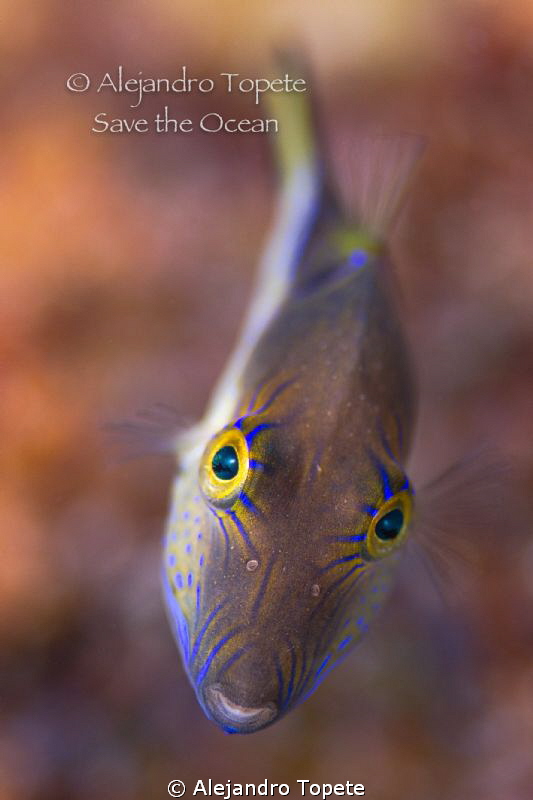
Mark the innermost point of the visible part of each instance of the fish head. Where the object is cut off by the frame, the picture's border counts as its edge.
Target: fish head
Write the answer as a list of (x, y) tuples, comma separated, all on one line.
[(280, 549)]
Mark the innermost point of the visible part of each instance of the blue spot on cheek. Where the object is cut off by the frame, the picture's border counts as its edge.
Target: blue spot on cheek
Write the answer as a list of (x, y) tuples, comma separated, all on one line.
[(171, 560), (189, 579), (358, 259), (201, 561), (178, 580), (188, 549)]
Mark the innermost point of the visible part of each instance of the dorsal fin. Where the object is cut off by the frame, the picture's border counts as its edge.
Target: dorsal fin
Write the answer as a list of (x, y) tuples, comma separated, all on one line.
[(373, 172)]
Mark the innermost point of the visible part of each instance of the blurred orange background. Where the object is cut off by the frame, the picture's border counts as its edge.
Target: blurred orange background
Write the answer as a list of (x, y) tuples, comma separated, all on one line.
[(125, 265)]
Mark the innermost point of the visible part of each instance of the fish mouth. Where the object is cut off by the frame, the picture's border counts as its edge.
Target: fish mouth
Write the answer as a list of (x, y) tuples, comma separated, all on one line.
[(233, 717)]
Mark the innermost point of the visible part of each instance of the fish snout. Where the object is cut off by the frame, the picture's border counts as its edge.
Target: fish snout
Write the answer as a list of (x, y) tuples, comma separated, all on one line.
[(234, 717)]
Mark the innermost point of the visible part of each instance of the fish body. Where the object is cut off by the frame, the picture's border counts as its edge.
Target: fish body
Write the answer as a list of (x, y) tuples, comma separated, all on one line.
[(291, 503)]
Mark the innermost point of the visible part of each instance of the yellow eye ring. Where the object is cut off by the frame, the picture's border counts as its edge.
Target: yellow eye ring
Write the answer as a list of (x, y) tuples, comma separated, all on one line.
[(224, 467), (388, 528)]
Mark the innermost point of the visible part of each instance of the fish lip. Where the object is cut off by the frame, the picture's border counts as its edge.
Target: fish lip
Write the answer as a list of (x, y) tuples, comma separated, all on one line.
[(234, 717)]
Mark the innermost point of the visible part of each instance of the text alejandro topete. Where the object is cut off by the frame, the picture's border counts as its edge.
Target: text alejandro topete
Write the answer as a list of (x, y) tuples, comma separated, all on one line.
[(267, 788)]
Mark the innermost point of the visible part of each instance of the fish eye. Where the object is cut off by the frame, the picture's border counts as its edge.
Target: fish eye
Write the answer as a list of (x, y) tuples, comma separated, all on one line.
[(388, 528), (390, 525), (225, 463), (224, 467)]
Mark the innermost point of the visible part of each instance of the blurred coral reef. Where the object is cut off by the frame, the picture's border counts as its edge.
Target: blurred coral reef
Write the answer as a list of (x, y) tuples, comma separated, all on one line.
[(126, 262)]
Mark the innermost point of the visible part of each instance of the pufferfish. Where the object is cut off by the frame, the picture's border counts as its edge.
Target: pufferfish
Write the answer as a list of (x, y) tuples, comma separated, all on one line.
[(291, 505)]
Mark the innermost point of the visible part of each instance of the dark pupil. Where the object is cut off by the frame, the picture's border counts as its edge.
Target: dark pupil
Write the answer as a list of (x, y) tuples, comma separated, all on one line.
[(225, 463), (390, 525)]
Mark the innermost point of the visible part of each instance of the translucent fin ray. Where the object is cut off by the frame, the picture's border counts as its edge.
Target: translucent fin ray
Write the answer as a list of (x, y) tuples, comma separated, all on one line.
[(373, 172)]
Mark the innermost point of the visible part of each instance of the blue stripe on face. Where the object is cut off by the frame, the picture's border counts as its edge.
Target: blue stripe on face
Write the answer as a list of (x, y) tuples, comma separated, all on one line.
[(383, 476), (319, 678), (356, 537), (370, 510), (245, 500), (203, 630), (263, 426), (303, 674), (255, 395), (240, 527), (220, 644), (198, 589), (342, 560), (231, 661), (291, 679), (323, 665), (337, 583), (275, 394), (254, 464), (221, 524), (223, 529)]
